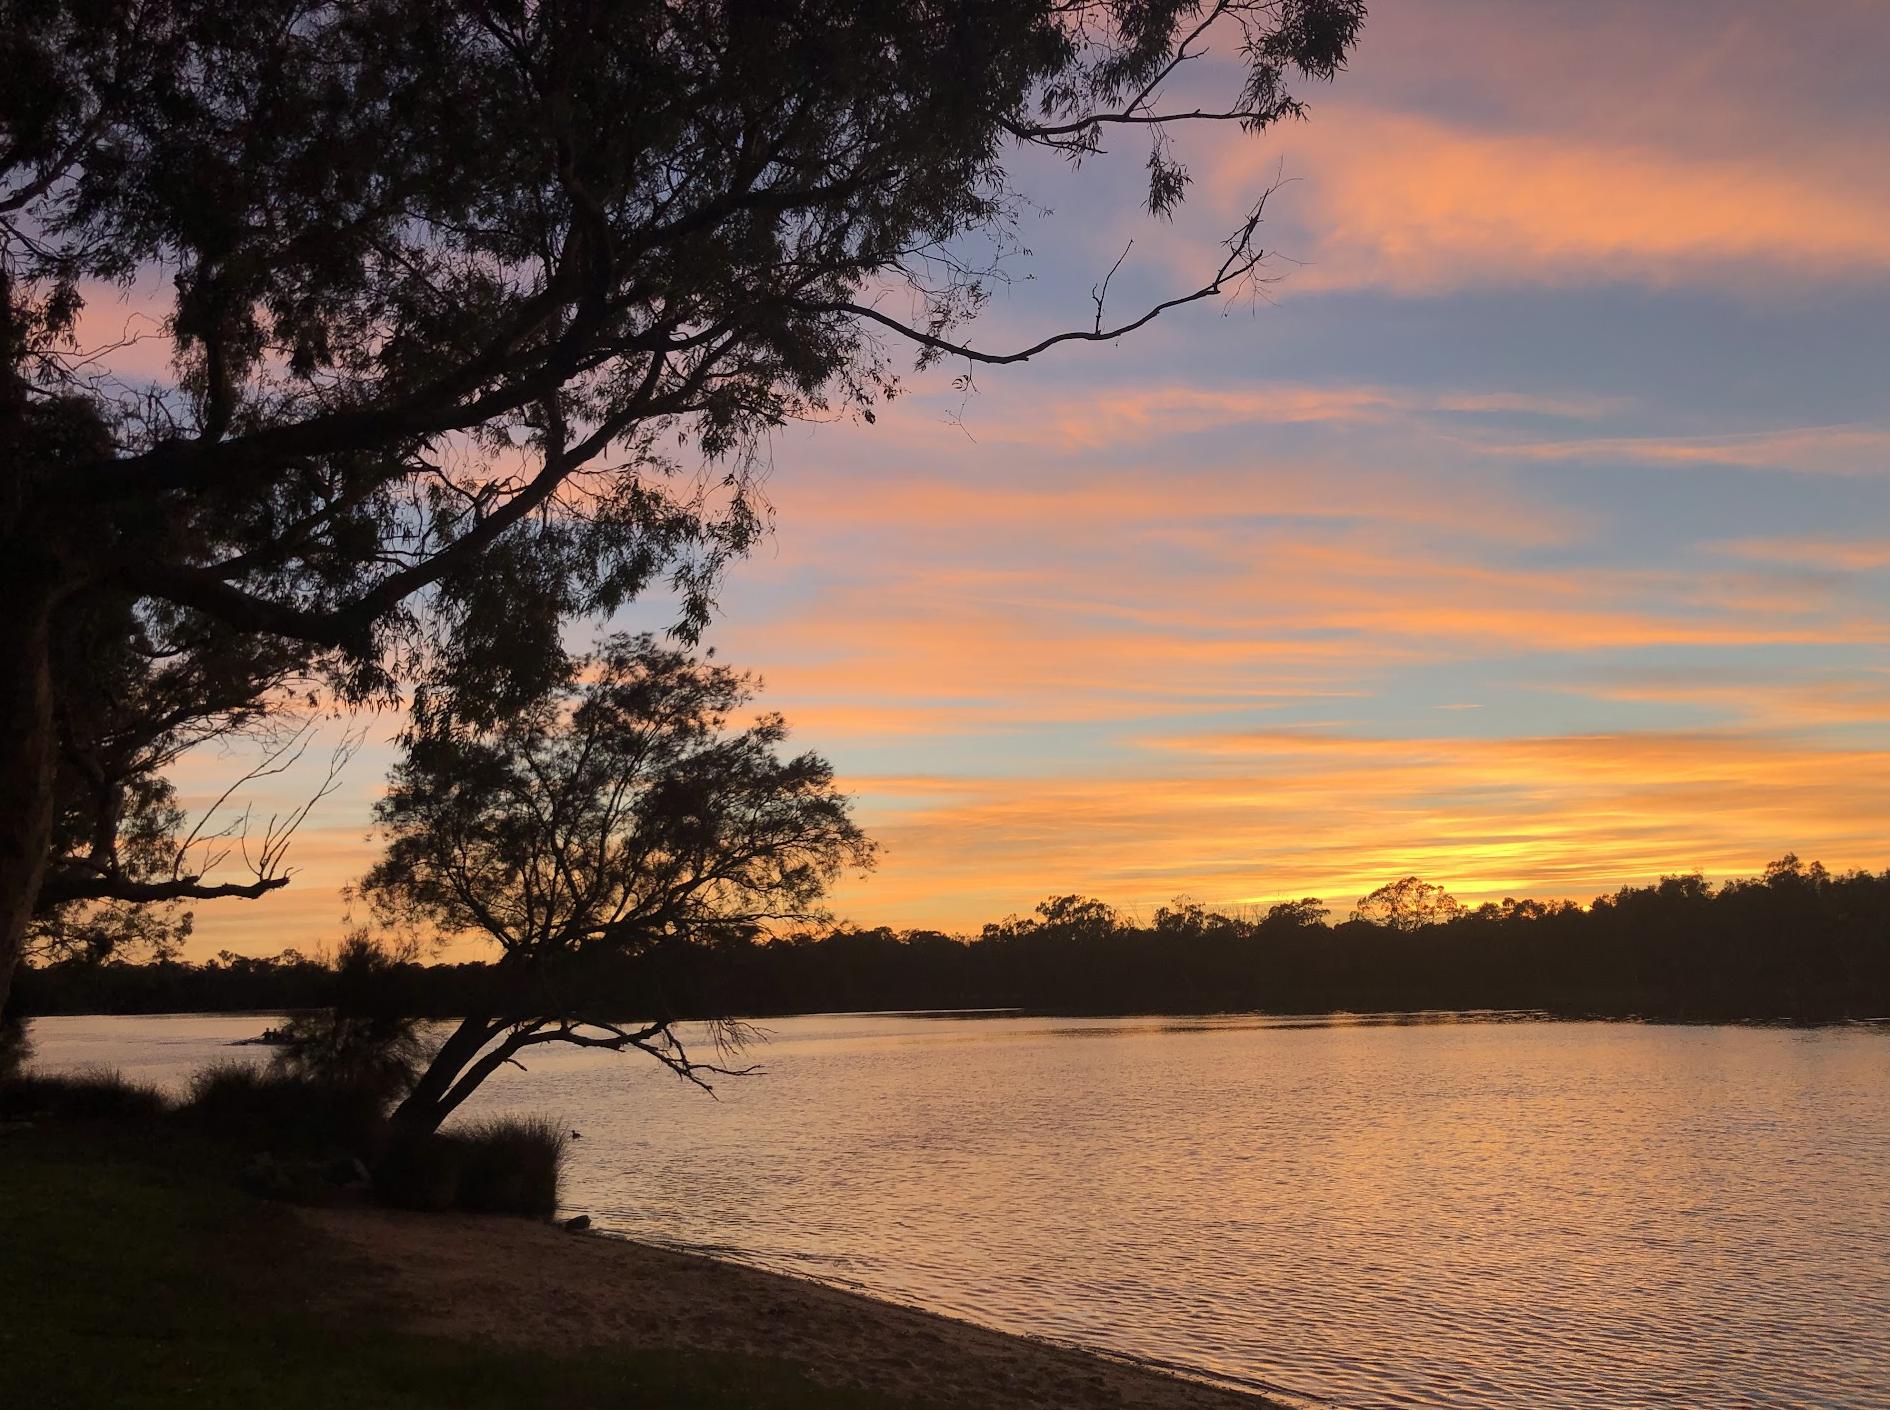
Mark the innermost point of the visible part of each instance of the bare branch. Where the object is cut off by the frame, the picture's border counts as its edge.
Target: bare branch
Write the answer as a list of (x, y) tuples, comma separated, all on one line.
[(77, 879), (1240, 264)]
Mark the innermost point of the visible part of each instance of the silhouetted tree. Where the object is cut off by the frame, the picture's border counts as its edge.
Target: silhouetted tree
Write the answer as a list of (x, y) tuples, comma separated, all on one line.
[(368, 1037), (1509, 908), (1184, 918), (1408, 904), (1788, 871), (1297, 915), (442, 279), (1077, 918), (613, 818)]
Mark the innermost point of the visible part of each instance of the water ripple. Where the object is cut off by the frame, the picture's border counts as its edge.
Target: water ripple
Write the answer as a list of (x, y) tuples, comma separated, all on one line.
[(1370, 1216)]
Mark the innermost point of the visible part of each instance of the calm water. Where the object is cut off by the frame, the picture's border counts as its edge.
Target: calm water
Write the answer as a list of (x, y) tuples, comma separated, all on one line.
[(1462, 1215)]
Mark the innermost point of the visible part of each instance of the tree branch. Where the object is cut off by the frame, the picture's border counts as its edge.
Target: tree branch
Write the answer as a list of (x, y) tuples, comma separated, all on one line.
[(62, 888), (1242, 259)]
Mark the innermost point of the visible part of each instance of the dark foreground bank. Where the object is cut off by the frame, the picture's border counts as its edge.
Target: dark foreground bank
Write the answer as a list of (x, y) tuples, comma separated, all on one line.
[(139, 1275)]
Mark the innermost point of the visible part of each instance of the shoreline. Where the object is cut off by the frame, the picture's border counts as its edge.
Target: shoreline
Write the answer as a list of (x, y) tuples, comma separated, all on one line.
[(1367, 1017), (1249, 1390), (531, 1286)]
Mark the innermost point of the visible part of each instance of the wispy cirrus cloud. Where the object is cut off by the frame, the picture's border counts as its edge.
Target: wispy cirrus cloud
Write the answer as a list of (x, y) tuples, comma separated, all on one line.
[(1798, 450), (1850, 555), (1141, 415), (1803, 701), (1475, 146)]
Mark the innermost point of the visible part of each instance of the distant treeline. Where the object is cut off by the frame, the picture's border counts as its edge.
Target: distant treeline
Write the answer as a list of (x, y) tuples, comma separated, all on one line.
[(1796, 943)]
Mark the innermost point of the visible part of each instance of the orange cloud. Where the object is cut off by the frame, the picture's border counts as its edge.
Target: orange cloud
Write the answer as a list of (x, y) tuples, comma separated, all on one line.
[(1081, 639), (307, 914), (1258, 595), (1781, 705), (1164, 499), (1415, 205), (1835, 450), (1264, 816)]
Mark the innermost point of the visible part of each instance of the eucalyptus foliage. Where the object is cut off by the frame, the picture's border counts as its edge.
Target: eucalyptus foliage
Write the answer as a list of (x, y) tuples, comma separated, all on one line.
[(477, 306)]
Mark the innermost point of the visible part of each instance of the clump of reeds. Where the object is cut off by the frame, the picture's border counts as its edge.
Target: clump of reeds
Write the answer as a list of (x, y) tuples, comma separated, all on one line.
[(505, 1165)]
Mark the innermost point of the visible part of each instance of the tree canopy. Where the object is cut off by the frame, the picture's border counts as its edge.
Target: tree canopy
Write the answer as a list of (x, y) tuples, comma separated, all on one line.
[(625, 813), (448, 284), (1410, 903)]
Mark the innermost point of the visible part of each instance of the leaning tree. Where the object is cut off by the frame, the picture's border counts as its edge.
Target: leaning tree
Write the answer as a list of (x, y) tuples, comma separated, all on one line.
[(441, 279), (623, 814)]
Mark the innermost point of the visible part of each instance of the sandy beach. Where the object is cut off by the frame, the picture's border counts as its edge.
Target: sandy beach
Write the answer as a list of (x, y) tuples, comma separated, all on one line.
[(528, 1284)]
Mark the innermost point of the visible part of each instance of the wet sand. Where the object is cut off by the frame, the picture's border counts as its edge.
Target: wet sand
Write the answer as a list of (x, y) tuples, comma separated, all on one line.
[(530, 1284)]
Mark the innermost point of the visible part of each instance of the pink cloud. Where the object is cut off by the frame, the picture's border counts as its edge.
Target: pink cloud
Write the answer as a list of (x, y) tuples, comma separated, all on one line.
[(1418, 205)]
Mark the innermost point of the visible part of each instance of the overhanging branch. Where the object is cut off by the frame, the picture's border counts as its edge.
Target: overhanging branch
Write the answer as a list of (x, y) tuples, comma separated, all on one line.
[(65, 887)]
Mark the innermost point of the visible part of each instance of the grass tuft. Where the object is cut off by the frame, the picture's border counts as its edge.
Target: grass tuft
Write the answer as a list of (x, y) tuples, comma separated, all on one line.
[(512, 1165), (509, 1165)]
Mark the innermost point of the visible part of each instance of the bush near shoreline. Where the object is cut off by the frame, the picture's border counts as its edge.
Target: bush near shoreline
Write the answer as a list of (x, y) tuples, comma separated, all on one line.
[(305, 1140)]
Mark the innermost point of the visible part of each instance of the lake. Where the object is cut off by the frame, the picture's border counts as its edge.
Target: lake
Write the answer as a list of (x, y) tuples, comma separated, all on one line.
[(1370, 1215)]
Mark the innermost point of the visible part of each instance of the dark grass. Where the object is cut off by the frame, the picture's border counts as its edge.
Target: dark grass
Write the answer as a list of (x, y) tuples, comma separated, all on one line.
[(138, 1276), (16, 1043), (264, 1109), (503, 1166), (420, 1172), (88, 1094)]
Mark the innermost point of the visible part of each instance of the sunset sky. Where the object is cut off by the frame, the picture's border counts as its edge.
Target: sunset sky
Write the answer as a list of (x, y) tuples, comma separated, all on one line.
[(1532, 533)]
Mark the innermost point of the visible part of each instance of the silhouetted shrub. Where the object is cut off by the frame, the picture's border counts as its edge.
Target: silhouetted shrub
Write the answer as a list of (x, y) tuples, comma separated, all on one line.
[(277, 1111), (367, 1037), (512, 1166), (502, 1166), (90, 1094)]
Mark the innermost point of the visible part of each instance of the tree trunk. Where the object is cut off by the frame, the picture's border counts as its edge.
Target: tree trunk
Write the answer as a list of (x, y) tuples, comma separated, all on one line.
[(428, 1104), (28, 757)]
